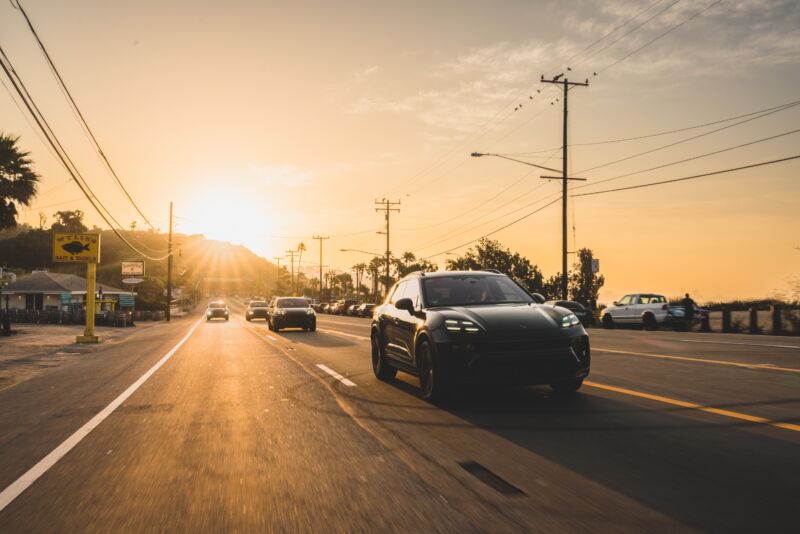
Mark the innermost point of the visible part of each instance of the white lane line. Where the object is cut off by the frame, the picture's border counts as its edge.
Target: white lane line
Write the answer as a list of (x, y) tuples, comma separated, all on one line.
[(272, 338), (767, 366), (742, 343), (336, 375), (31, 475), (325, 330)]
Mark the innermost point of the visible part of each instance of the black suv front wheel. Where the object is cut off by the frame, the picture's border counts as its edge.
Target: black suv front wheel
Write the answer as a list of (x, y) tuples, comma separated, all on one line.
[(433, 382), (382, 370)]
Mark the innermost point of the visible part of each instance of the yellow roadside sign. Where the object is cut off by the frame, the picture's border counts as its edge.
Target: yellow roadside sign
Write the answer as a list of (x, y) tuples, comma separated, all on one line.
[(76, 248)]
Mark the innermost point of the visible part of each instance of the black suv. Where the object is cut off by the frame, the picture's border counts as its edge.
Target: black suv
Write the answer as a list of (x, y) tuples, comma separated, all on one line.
[(291, 312), (476, 327)]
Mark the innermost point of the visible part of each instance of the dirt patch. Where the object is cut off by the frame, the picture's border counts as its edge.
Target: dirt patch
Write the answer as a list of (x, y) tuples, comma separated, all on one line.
[(36, 348)]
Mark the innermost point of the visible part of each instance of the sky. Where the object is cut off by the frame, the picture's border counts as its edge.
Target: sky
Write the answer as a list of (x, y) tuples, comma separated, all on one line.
[(267, 123)]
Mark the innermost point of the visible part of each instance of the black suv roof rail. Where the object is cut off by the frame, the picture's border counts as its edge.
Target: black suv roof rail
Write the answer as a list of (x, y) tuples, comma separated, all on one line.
[(491, 271)]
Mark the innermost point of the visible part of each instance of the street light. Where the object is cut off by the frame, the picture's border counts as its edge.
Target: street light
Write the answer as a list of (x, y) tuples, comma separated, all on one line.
[(357, 250), (564, 178), (481, 154)]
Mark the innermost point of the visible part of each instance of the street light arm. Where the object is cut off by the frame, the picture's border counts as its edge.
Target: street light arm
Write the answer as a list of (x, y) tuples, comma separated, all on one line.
[(362, 251), (479, 154)]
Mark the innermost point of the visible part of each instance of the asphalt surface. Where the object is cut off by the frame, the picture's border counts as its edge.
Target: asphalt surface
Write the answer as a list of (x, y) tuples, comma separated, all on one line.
[(243, 429)]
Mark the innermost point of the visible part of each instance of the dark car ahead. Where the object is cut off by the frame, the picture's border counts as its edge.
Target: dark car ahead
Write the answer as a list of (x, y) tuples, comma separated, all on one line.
[(291, 312), (257, 309), (217, 309), (365, 310), (580, 311), (476, 327)]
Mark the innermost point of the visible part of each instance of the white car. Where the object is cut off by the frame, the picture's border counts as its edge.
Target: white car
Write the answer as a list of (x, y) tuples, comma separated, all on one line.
[(642, 309)]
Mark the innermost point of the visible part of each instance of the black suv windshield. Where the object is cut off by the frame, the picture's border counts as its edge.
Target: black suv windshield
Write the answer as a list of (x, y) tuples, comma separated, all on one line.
[(292, 303), (217, 305), (465, 290), (258, 304)]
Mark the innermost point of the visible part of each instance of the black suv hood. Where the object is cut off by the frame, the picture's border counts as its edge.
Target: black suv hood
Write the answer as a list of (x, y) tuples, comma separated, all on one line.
[(495, 318)]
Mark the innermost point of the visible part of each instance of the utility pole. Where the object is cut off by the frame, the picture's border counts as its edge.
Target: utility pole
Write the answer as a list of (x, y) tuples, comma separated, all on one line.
[(566, 84), (278, 273), (169, 268), (291, 254), (320, 239), (387, 209)]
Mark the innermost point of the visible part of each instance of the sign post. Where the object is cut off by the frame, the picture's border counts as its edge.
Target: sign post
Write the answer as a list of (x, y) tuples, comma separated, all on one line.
[(81, 248)]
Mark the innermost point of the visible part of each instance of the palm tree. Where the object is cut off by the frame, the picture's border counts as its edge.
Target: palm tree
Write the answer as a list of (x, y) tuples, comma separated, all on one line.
[(18, 180), (359, 269), (300, 249)]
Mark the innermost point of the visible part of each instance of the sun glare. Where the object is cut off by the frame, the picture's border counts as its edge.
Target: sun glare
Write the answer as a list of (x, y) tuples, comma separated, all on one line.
[(228, 216)]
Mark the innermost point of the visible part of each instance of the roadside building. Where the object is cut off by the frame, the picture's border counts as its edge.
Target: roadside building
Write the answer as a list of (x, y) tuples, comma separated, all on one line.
[(45, 291)]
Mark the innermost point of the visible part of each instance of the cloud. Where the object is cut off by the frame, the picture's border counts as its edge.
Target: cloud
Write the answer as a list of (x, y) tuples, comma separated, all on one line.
[(363, 75), (469, 88)]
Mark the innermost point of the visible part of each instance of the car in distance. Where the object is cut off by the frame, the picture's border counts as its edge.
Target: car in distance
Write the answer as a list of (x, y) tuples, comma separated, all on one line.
[(646, 310), (365, 310), (291, 312), (257, 309), (217, 309), (580, 311), (456, 327)]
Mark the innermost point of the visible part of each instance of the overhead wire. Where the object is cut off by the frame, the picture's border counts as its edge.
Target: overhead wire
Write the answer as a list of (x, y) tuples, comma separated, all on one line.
[(693, 158), (657, 134), (658, 37), (615, 41), (639, 186), (621, 59), (462, 245), (692, 138), (79, 115), (62, 155), (685, 178)]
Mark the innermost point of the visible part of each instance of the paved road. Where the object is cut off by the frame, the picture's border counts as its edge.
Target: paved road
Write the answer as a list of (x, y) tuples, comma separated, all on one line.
[(245, 429)]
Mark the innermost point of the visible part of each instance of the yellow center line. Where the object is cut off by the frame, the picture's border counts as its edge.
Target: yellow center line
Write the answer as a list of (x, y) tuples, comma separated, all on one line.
[(761, 366), (695, 406)]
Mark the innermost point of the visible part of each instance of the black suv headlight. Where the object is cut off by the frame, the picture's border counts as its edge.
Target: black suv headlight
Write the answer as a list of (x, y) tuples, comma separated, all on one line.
[(461, 325), (568, 321)]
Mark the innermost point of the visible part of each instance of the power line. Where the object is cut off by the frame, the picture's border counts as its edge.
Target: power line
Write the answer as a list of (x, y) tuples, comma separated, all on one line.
[(553, 201), (662, 133), (496, 230), (687, 139), (664, 34), (612, 43), (723, 171), (715, 152), (79, 115), (627, 21), (64, 158)]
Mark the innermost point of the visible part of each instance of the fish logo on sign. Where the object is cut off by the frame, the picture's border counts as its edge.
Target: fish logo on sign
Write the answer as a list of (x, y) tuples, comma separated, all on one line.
[(76, 247)]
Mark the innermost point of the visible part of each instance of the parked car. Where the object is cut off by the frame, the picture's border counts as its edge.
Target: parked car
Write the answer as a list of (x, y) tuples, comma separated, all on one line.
[(456, 327), (352, 311), (647, 310), (342, 306), (217, 309), (365, 310), (292, 312), (585, 315), (257, 309)]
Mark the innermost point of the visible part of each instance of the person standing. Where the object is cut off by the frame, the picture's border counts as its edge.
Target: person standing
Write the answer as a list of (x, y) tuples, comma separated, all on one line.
[(688, 310)]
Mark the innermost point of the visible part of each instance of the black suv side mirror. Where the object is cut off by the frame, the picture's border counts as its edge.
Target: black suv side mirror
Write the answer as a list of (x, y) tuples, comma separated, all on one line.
[(405, 304), (538, 298)]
